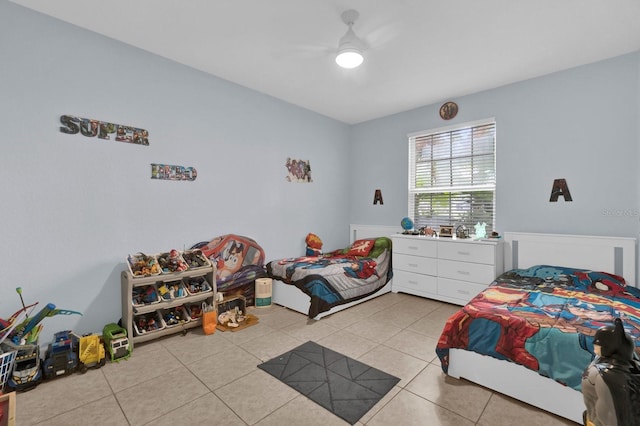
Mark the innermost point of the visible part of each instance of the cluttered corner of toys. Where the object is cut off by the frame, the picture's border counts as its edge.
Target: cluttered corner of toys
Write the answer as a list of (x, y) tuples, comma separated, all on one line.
[(20, 365), (232, 313)]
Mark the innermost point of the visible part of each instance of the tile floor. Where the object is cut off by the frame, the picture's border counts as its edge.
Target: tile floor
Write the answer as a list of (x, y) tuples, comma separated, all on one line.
[(213, 380)]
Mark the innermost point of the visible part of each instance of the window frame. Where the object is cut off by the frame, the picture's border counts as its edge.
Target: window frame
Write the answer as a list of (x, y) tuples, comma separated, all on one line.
[(473, 193)]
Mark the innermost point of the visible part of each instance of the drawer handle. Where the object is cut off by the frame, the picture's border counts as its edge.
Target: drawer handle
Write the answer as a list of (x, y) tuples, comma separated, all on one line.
[(463, 292), (464, 272), (413, 282), (413, 247), (464, 253), (413, 265)]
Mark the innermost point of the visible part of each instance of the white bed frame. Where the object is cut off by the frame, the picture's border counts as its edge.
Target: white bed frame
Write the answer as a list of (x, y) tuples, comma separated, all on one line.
[(523, 250), (291, 297)]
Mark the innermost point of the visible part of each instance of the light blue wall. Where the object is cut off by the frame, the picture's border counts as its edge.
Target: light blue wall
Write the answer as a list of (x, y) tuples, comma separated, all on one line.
[(580, 125), (73, 207)]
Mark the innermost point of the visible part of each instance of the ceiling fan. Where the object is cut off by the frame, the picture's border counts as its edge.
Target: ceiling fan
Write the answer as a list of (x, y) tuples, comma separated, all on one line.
[(350, 47), (349, 44)]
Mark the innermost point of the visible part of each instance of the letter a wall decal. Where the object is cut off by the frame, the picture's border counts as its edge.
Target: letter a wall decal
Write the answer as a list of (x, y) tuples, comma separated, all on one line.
[(560, 188), (377, 197)]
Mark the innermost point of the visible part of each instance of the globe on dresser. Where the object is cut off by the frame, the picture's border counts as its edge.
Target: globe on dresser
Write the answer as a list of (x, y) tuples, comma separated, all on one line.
[(406, 223)]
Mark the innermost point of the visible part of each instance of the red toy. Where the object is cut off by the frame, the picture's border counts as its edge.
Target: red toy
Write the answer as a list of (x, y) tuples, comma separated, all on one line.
[(314, 245)]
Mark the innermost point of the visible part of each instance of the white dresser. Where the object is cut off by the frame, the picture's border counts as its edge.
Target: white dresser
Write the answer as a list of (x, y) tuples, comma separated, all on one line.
[(447, 269)]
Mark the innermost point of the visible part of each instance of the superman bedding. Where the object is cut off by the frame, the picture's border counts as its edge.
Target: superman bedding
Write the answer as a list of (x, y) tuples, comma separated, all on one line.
[(338, 277), (543, 318)]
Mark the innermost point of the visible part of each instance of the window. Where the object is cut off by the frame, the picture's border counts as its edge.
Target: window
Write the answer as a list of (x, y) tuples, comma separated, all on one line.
[(452, 176)]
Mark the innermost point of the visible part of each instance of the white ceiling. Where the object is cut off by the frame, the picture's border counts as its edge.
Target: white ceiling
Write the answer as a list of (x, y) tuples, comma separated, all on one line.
[(420, 51)]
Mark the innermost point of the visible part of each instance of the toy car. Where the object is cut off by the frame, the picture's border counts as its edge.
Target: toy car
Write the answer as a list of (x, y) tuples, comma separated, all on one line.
[(116, 342), (91, 352), (61, 357), (26, 369)]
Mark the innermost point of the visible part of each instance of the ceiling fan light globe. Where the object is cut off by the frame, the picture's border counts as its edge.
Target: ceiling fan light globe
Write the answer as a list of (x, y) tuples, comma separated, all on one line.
[(349, 58)]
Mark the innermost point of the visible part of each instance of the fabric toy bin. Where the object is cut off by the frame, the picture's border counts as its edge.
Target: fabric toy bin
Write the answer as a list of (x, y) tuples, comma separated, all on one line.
[(173, 317), (145, 295), (196, 285), (172, 290), (139, 320)]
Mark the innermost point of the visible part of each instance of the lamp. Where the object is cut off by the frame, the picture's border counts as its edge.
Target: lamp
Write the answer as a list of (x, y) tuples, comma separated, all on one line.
[(350, 46)]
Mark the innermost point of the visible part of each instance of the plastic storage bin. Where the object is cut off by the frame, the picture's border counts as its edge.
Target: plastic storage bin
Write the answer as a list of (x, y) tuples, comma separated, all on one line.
[(171, 262), (175, 316), (196, 285), (195, 259), (148, 323), (145, 295), (172, 290), (143, 265)]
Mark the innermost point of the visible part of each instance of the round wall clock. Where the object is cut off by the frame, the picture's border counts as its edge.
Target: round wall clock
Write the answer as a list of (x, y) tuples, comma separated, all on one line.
[(448, 110)]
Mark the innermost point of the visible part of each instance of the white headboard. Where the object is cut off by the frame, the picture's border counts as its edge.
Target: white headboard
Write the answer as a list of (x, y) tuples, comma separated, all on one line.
[(607, 254), (357, 232)]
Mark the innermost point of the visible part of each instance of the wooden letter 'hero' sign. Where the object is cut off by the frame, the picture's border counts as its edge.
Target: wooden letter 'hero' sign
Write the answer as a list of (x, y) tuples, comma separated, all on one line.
[(103, 130)]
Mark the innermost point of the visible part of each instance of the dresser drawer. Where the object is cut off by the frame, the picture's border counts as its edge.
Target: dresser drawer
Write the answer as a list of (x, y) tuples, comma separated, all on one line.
[(465, 271), (416, 246), (417, 264), (461, 290), (467, 252), (414, 282)]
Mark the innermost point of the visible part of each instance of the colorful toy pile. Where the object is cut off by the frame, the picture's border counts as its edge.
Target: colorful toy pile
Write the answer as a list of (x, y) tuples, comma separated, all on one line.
[(20, 362)]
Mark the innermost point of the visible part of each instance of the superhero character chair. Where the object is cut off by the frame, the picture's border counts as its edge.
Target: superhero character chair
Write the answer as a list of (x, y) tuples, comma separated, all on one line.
[(611, 383), (239, 261)]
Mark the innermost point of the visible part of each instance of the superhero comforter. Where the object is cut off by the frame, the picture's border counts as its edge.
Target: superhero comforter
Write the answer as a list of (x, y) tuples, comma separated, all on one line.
[(543, 318), (335, 278)]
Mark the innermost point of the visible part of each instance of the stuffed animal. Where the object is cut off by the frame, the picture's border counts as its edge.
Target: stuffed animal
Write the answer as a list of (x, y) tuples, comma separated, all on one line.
[(314, 245), (611, 383)]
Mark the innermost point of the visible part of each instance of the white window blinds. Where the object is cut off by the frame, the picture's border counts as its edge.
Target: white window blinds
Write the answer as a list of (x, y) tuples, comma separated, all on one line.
[(452, 176)]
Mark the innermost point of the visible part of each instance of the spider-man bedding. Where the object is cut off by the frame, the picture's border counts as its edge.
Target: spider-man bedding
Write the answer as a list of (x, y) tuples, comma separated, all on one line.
[(544, 318), (338, 277)]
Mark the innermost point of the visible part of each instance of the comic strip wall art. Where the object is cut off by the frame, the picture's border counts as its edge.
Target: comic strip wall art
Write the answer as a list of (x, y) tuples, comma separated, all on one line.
[(298, 170), (169, 172), (95, 128)]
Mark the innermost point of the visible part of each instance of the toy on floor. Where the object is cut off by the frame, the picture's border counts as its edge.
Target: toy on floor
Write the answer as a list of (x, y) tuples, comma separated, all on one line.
[(61, 357), (26, 372), (116, 342), (611, 383), (28, 330), (91, 352), (232, 318)]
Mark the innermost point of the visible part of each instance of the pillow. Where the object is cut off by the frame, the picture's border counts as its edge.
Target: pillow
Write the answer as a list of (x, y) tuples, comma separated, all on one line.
[(381, 244), (361, 248)]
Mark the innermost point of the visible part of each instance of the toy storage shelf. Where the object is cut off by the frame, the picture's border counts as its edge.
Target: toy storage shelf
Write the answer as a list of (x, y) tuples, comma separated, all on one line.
[(129, 282)]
